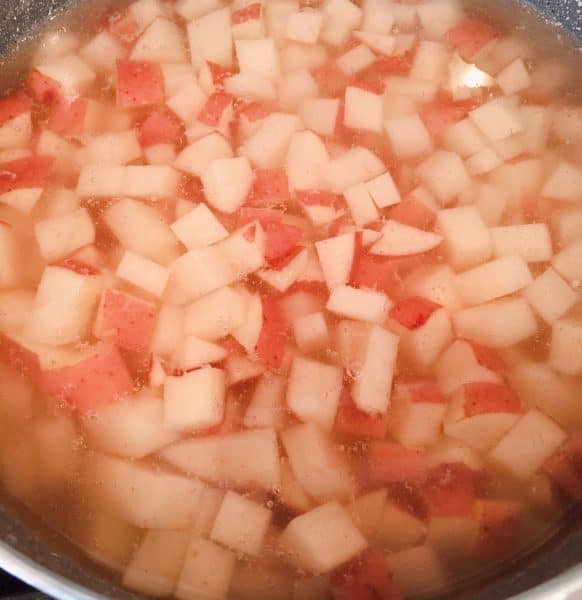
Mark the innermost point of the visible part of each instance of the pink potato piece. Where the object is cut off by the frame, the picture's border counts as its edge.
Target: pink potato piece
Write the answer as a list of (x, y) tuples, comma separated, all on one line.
[(214, 108), (391, 462), (18, 357), (13, 106), (470, 36), (99, 379), (127, 321), (139, 83)]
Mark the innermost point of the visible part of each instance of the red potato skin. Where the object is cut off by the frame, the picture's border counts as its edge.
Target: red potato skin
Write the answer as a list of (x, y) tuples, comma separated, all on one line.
[(18, 357), (31, 171), (390, 462), (451, 489), (483, 398), (252, 12), (470, 36), (444, 112), (565, 467), (14, 105), (394, 65), (365, 578), (214, 108), (350, 420), (273, 336), (139, 83), (269, 186), (413, 312), (45, 90), (68, 119), (414, 213), (499, 524), (218, 72), (161, 127), (95, 381), (375, 274), (488, 358), (423, 391), (78, 266), (127, 321)]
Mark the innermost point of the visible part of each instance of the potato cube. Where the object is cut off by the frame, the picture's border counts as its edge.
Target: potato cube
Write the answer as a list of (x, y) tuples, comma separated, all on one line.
[(241, 524), (494, 279), (313, 391), (467, 240), (566, 345), (194, 400), (526, 446), (408, 136), (319, 467), (155, 566), (207, 570), (550, 296), (322, 539)]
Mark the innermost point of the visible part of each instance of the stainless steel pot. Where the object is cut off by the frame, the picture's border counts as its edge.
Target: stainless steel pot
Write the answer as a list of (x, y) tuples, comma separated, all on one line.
[(41, 558)]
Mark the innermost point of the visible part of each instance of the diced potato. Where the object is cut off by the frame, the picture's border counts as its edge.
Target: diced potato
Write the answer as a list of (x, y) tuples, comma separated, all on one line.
[(568, 263), (147, 498), (409, 136), (196, 157), (141, 228), (336, 256), (497, 324), (267, 147), (532, 241), (467, 240), (241, 524), (109, 540), (207, 386), (143, 273), (361, 205), (399, 529), (163, 42), (417, 569), (306, 156), (208, 569), (304, 26), (340, 18), (199, 228), (565, 346), (295, 88), (494, 279), (357, 165), (373, 379), (259, 57), (318, 466), (565, 183), (445, 175), (319, 114), (550, 296), (210, 38), (63, 307), (310, 332), (322, 539), (401, 240), (61, 236), (240, 459), (425, 343), (361, 305), (130, 428), (313, 391), (532, 440), (435, 283), (514, 78), (156, 564), (546, 390), (227, 183), (498, 119), (458, 365)]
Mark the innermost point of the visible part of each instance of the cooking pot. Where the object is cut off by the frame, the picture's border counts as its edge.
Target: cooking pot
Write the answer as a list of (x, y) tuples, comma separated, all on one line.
[(40, 557)]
